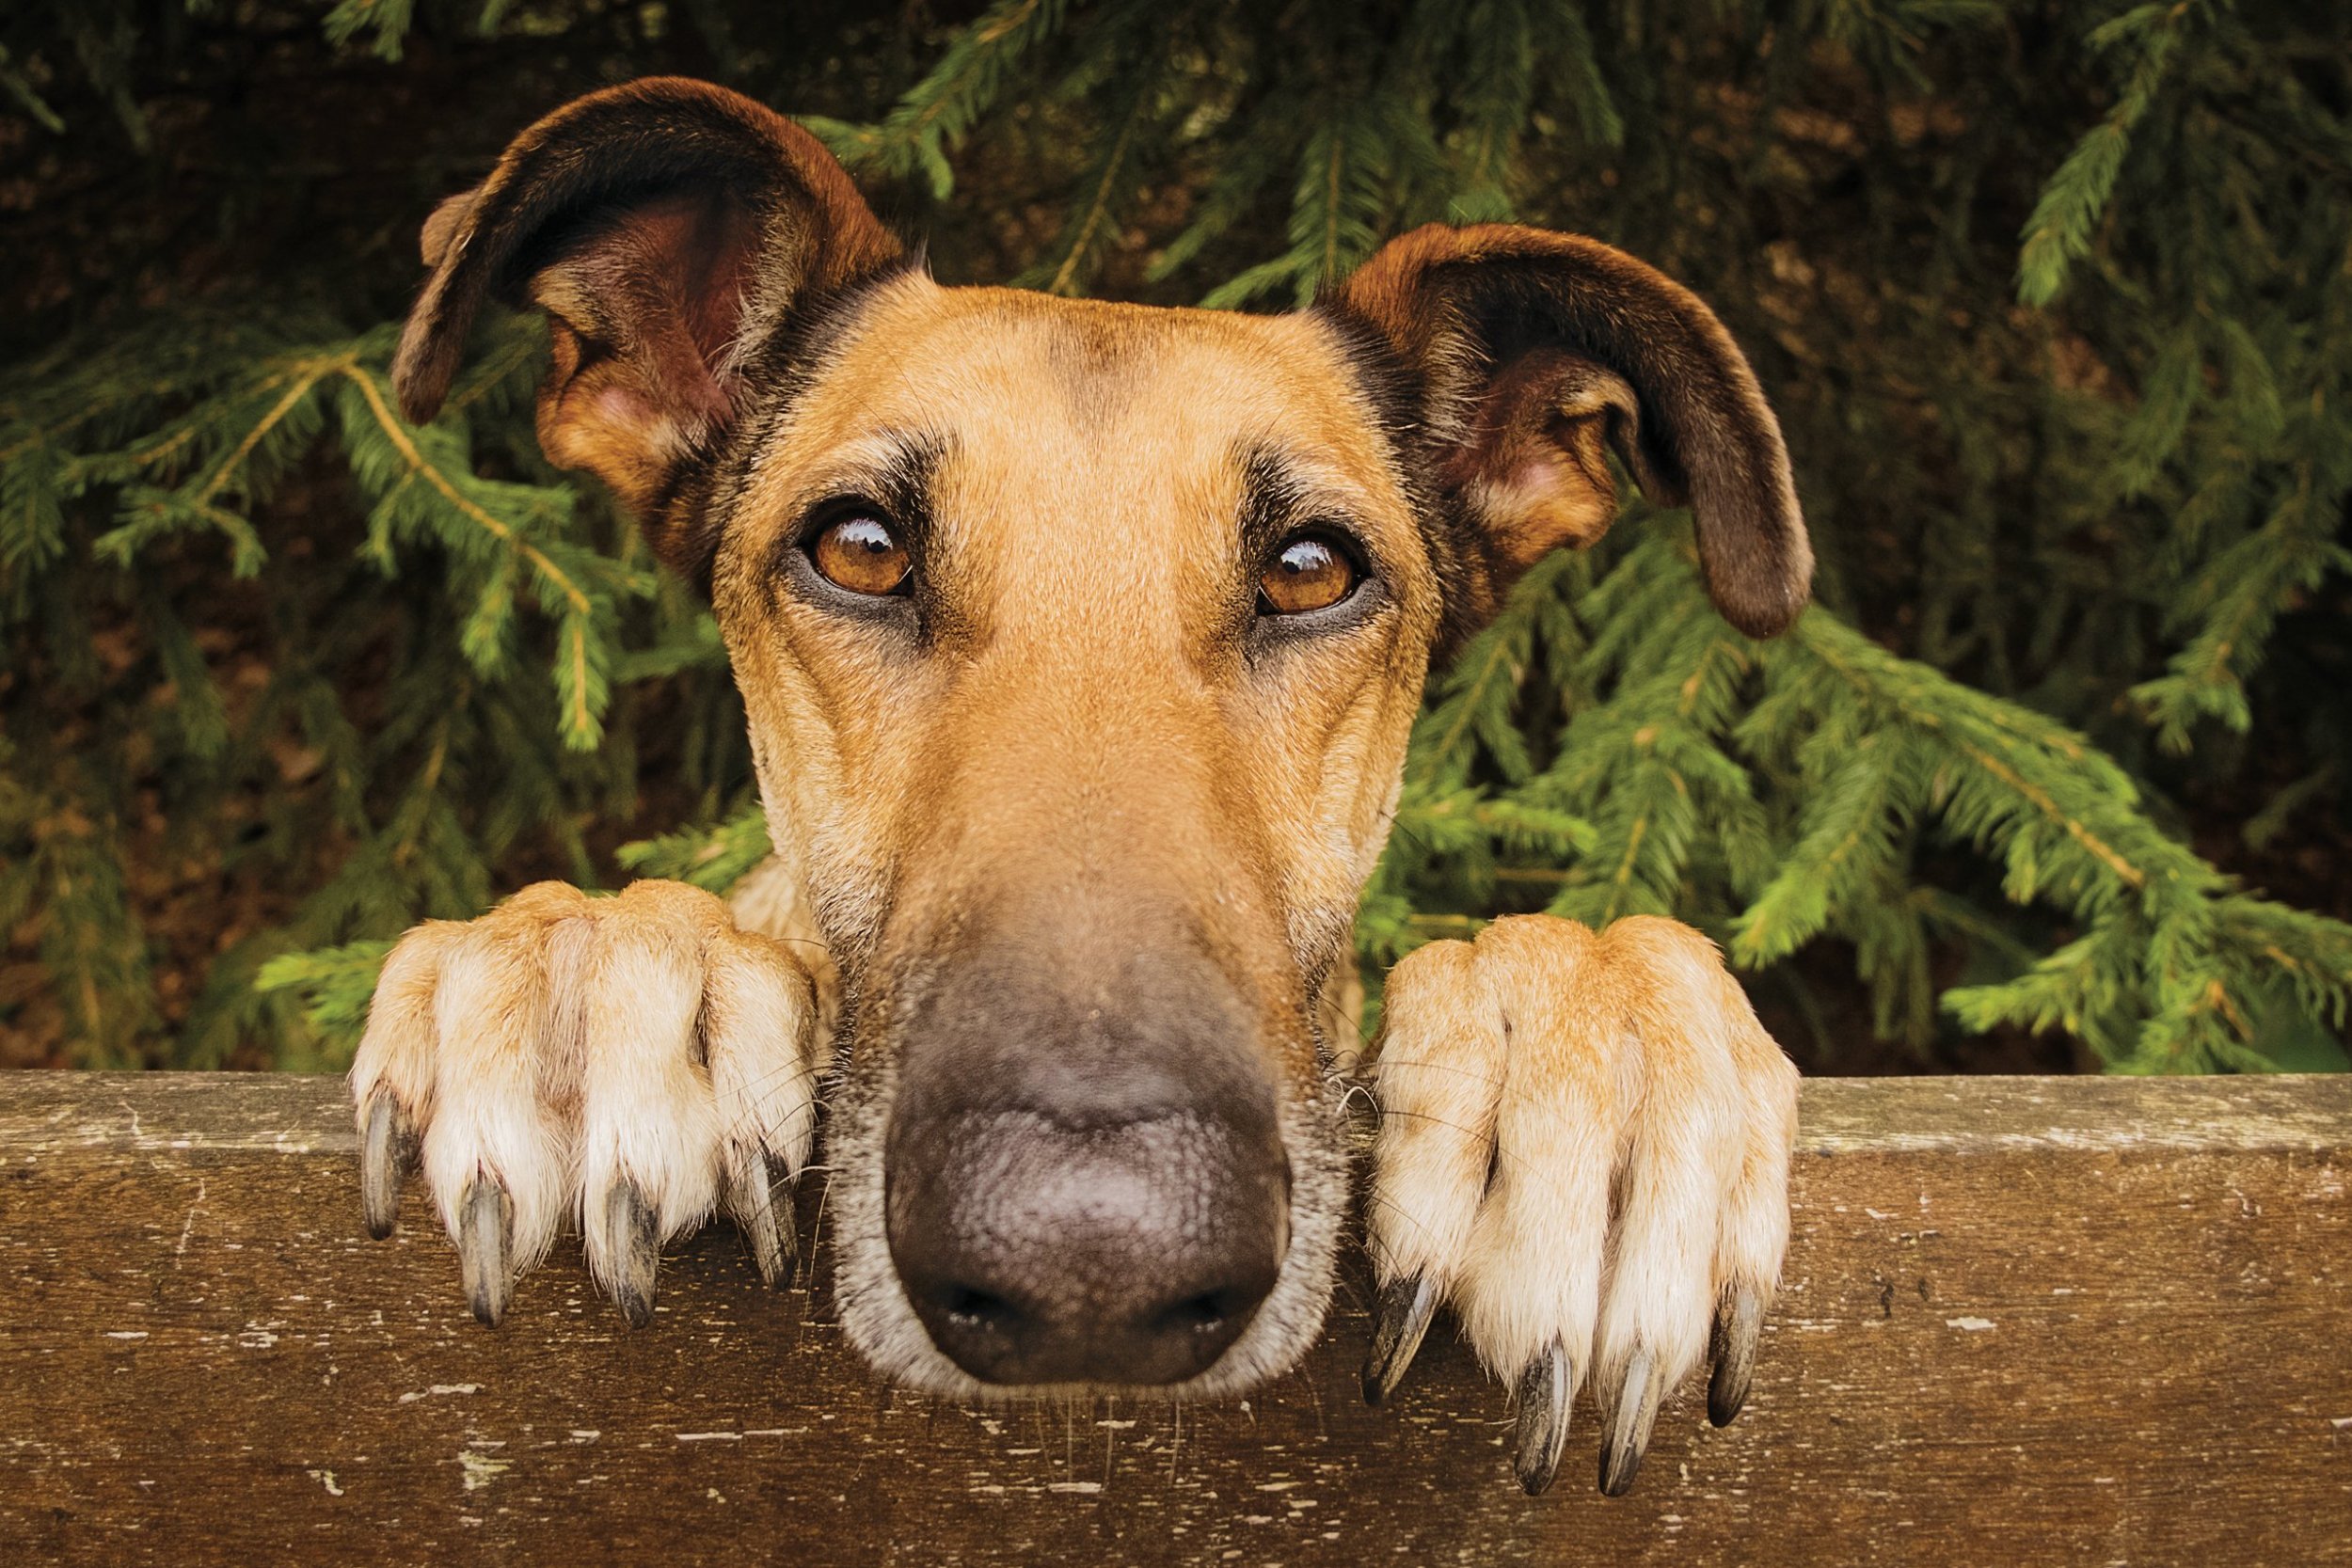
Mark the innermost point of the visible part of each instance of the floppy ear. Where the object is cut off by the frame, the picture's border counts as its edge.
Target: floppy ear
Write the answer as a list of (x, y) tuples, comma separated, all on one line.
[(1533, 349), (665, 226)]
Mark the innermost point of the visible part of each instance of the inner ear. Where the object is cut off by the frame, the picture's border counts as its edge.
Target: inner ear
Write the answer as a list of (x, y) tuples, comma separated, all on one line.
[(1535, 466), (647, 311)]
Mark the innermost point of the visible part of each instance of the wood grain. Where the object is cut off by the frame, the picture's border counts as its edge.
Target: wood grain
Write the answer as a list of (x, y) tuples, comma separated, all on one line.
[(2026, 1321)]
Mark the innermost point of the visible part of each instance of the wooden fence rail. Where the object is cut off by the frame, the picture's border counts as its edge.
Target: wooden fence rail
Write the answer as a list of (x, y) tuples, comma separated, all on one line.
[(2024, 1322)]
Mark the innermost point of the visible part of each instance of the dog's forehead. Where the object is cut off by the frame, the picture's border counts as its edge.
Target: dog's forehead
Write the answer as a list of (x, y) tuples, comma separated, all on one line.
[(1112, 398)]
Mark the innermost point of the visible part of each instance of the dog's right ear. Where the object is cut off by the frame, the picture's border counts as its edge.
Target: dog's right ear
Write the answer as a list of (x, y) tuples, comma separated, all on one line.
[(665, 226)]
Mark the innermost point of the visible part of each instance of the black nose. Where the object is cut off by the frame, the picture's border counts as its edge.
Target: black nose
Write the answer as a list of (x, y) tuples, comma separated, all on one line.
[(1129, 1254), (1086, 1191)]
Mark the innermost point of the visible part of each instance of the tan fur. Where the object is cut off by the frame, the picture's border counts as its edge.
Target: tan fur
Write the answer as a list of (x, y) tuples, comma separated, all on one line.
[(1087, 509), (1084, 738)]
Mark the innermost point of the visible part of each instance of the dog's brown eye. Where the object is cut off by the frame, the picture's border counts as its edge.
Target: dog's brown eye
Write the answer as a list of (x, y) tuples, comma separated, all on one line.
[(862, 555), (1310, 572)]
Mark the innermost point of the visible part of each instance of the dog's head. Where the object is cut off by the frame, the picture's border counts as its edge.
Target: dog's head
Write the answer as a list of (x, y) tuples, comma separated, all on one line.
[(1081, 643)]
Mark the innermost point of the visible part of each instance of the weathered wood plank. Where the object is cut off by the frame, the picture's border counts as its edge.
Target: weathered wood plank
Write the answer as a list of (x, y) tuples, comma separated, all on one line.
[(2025, 1320)]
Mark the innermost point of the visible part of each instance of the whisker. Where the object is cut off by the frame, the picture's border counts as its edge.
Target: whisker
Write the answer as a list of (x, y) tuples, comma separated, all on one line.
[(1495, 1151), (1426, 1064), (1392, 1206)]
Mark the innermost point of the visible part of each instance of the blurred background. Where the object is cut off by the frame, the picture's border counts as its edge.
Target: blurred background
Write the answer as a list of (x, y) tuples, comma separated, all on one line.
[(2054, 298)]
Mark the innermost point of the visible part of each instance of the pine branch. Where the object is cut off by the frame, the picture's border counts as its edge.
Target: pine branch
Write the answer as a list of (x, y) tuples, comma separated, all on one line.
[(2060, 232), (1116, 171), (714, 857), (937, 112)]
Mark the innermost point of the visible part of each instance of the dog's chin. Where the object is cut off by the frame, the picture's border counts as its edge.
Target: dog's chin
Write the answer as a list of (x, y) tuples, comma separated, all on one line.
[(881, 1323)]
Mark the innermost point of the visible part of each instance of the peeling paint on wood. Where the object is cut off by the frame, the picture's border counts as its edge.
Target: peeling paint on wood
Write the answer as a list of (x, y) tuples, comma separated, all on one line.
[(2025, 1320)]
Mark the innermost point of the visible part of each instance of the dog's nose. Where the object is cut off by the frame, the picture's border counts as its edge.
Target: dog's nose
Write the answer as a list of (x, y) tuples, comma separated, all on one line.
[(1085, 1170), (1131, 1254)]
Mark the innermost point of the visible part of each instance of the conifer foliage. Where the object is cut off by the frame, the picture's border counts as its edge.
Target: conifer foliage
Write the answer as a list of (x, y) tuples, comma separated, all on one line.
[(2056, 301)]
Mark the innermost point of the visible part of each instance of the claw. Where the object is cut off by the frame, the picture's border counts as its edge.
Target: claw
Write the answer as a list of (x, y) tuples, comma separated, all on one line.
[(1547, 1390), (485, 1230), (1738, 1320), (1398, 1322), (768, 1230), (632, 1249), (1627, 1438), (386, 1156)]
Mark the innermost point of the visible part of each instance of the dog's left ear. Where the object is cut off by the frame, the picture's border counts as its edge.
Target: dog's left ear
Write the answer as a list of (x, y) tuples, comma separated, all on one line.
[(1533, 349)]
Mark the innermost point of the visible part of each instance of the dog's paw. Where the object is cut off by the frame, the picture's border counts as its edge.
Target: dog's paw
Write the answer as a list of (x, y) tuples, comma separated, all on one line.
[(631, 1061), (1584, 1149)]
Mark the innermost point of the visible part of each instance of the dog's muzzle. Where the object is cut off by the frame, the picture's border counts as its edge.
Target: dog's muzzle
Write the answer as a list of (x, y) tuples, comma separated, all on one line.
[(1085, 1183)]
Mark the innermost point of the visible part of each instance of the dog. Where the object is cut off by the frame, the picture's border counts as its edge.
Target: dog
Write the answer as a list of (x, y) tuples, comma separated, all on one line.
[(1080, 644)]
